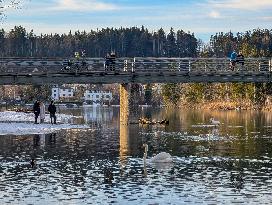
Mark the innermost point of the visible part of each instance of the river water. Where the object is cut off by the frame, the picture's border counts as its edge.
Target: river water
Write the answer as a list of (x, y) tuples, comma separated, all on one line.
[(229, 164)]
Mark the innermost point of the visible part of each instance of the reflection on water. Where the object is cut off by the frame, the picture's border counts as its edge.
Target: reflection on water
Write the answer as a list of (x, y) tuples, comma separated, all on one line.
[(212, 165), (98, 114)]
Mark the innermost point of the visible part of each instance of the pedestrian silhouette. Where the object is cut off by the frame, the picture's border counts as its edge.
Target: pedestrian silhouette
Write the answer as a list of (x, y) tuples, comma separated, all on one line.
[(233, 57), (36, 110), (52, 110)]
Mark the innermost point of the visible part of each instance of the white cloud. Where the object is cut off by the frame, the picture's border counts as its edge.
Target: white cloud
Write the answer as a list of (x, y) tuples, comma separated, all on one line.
[(241, 4), (86, 5), (214, 14), (266, 18)]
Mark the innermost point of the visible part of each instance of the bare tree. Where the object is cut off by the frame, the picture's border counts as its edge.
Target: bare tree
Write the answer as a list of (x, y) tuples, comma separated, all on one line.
[(7, 4)]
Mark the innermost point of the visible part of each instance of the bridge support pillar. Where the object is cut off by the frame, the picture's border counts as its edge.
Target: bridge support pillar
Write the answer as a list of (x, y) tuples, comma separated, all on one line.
[(129, 103), (129, 142)]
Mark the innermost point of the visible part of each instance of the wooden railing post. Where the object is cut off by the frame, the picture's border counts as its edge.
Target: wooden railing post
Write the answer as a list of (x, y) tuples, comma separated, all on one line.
[(270, 64)]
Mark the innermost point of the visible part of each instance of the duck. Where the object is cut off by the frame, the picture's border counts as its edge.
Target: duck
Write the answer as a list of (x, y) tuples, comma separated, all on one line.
[(33, 163), (214, 122), (162, 157), (144, 121), (165, 121)]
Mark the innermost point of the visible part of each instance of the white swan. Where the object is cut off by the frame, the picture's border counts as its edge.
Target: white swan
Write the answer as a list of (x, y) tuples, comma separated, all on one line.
[(214, 122), (162, 157)]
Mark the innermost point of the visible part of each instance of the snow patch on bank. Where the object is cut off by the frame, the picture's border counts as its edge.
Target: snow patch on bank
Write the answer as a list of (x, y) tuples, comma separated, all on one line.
[(11, 116), (14, 128), (19, 123)]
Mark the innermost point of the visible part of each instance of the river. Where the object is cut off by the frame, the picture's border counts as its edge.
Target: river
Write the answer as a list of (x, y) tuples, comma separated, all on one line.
[(227, 164)]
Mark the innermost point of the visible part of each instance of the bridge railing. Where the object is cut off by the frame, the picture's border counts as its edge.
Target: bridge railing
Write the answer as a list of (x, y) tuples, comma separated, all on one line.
[(56, 65), (199, 65), (137, 64)]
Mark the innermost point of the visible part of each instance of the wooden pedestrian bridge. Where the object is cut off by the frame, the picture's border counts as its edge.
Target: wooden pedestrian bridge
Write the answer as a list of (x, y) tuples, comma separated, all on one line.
[(23, 71)]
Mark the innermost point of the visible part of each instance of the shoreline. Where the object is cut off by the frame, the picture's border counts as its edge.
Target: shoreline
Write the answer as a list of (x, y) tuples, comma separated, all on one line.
[(19, 123), (225, 106)]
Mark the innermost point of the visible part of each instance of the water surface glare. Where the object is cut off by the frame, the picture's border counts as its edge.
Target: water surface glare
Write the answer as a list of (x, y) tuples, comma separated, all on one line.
[(228, 164)]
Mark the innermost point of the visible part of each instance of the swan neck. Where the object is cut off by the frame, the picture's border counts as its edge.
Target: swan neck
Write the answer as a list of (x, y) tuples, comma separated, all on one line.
[(145, 153)]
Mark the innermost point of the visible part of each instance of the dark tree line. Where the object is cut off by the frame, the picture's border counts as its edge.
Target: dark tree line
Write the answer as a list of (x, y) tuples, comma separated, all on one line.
[(126, 42), (255, 43), (131, 42)]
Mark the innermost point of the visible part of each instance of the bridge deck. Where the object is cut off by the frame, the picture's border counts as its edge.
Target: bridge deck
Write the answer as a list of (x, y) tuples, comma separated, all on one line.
[(137, 70)]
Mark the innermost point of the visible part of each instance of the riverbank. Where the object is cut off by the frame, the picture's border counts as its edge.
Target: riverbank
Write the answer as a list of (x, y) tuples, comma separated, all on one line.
[(225, 105), (27, 128), (20, 123), (12, 116)]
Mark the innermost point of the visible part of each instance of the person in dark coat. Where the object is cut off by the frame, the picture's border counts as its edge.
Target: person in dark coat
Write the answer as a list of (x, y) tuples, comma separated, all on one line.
[(52, 110), (240, 58), (36, 110)]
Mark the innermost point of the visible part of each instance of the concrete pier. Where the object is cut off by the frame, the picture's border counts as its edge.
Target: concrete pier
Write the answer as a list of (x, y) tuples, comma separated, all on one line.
[(129, 103)]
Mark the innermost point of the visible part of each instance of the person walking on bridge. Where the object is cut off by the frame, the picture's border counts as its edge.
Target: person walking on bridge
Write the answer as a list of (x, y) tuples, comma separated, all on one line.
[(52, 110), (240, 59), (233, 57)]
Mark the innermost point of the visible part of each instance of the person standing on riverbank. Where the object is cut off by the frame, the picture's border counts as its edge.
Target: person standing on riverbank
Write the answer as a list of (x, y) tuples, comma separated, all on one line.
[(36, 110), (52, 110), (42, 112)]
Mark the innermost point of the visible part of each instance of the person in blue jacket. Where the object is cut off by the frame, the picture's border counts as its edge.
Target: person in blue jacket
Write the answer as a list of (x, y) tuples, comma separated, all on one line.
[(233, 57)]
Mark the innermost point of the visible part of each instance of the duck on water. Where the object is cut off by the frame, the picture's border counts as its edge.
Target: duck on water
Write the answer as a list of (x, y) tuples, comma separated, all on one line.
[(149, 122)]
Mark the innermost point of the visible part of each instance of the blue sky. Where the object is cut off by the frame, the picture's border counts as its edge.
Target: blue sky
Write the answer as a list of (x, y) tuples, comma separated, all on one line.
[(202, 17)]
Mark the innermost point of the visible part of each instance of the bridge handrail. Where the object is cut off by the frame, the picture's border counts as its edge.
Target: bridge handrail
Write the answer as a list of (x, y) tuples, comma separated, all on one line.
[(189, 58), (160, 60), (152, 64)]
